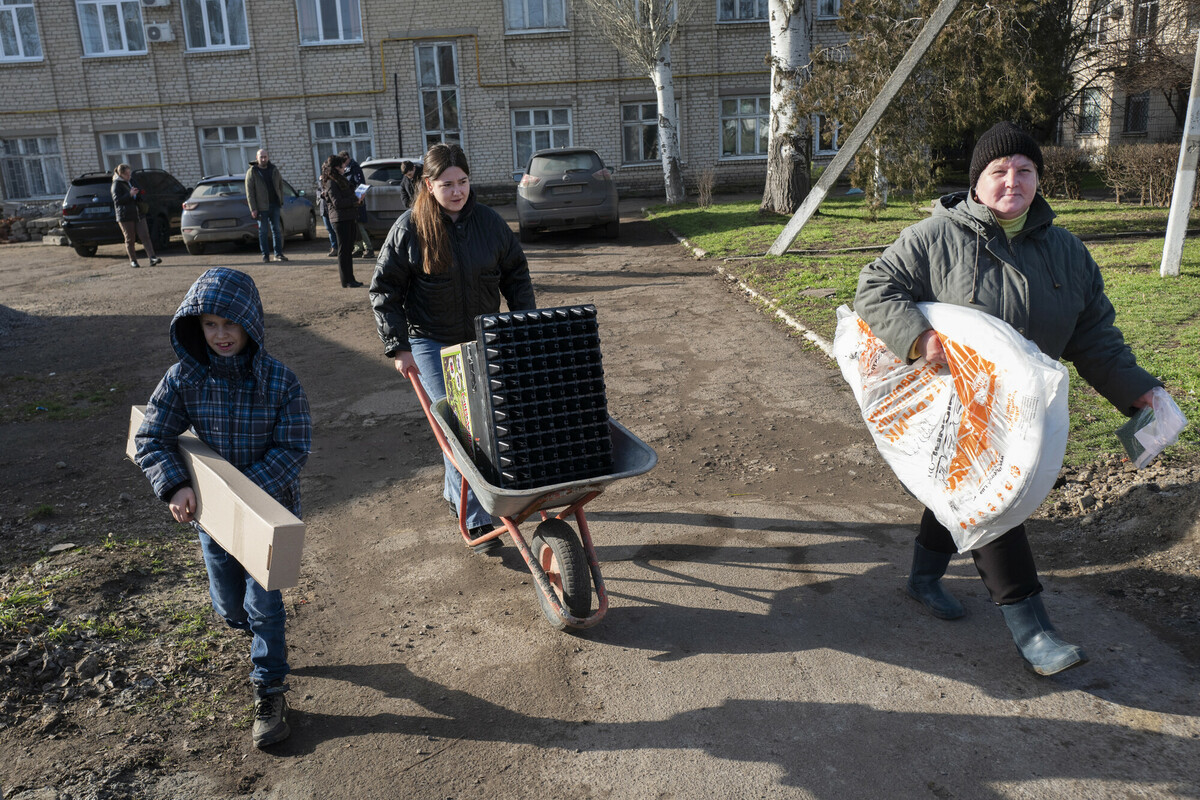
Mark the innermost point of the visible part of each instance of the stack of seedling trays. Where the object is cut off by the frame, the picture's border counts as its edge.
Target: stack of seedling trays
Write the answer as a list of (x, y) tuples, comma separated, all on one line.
[(536, 413)]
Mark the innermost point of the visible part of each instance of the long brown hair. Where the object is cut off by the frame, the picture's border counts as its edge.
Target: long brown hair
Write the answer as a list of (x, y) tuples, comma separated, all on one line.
[(436, 253)]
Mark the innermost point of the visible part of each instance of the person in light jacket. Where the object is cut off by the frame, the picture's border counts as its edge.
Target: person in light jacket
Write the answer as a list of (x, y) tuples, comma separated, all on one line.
[(996, 248), (445, 261)]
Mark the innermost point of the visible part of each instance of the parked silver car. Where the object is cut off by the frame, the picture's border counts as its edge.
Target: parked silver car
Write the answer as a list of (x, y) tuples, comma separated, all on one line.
[(567, 188), (216, 211), (384, 199)]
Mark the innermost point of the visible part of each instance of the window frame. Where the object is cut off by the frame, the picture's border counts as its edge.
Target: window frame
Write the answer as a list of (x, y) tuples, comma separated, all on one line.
[(836, 13), (443, 133), (108, 51), (18, 164), (226, 147), (11, 10), (136, 155), (835, 135), (736, 15), (352, 141), (1145, 19), (317, 18), (207, 46), (762, 120), (1091, 109), (1143, 99), (525, 26), (550, 127)]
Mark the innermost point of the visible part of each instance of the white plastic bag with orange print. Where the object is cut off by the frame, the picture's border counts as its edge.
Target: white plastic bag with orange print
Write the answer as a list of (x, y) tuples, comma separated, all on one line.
[(979, 443)]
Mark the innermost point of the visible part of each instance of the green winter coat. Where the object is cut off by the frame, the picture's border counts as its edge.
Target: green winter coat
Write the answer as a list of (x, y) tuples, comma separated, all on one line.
[(1043, 283)]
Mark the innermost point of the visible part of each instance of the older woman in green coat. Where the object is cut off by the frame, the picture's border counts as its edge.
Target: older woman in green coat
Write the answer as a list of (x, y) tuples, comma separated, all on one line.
[(995, 248)]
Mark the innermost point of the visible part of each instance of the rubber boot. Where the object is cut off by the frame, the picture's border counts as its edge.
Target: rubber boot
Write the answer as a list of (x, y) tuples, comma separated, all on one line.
[(1037, 640), (925, 584)]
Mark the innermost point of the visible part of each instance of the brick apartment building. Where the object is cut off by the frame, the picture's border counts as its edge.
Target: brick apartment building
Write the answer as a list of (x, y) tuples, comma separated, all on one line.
[(197, 86)]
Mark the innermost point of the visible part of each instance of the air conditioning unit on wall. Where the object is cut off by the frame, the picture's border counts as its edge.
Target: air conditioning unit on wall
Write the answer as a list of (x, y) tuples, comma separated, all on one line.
[(159, 32), (155, 3)]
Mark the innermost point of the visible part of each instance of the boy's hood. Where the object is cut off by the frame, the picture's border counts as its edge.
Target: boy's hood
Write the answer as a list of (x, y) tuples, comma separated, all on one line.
[(226, 293)]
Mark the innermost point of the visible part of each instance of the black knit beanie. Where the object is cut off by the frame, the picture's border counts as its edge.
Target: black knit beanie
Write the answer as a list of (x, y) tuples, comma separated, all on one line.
[(1003, 139)]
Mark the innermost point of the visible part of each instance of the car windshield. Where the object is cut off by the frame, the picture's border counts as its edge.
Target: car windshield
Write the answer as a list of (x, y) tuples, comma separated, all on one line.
[(559, 164), (220, 189), (383, 172)]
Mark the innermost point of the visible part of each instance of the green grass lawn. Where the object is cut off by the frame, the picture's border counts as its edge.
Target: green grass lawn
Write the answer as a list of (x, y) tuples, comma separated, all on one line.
[(1160, 317)]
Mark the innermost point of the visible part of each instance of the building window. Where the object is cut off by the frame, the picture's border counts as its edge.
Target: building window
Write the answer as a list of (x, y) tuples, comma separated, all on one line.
[(227, 149), (521, 15), (538, 129), (335, 135), (741, 10), (639, 132), (829, 8), (19, 40), (1089, 112), (1096, 22), (328, 21), (1137, 112), (745, 122), (111, 28), (215, 24), (437, 80), (138, 149), (32, 168), (825, 135), (1145, 18)]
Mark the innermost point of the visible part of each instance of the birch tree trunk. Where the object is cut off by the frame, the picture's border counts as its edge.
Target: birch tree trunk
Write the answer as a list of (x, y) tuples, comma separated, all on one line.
[(668, 126), (789, 141)]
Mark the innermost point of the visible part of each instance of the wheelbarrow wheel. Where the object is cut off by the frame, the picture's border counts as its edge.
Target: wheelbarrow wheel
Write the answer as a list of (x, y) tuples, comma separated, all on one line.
[(558, 551)]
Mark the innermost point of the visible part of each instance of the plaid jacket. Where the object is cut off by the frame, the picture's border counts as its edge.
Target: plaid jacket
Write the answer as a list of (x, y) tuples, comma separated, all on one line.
[(250, 408)]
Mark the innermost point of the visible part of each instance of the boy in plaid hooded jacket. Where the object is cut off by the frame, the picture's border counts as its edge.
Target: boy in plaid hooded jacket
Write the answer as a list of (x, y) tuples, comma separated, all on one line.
[(251, 409)]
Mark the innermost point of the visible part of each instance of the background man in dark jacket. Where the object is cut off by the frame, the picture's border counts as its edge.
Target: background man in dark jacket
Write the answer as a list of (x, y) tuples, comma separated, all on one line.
[(264, 193)]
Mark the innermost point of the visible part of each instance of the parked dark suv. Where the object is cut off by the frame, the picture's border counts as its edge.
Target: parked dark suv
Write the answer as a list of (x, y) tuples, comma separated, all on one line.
[(89, 220)]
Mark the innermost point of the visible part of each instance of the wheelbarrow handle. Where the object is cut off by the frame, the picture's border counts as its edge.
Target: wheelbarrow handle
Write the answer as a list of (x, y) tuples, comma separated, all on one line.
[(427, 406)]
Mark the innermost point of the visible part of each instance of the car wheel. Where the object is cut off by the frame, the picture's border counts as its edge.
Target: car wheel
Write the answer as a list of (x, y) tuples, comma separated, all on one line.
[(310, 232), (194, 248), (85, 250), (612, 230), (527, 235), (160, 233)]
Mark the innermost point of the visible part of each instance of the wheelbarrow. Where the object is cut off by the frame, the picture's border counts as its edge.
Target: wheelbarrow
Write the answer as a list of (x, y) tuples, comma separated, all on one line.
[(564, 565)]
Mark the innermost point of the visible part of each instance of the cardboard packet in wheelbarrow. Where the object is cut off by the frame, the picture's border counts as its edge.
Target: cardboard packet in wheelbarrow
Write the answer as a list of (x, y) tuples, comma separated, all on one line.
[(253, 527)]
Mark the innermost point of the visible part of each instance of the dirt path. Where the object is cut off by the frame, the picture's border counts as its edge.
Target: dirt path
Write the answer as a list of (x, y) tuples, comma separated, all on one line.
[(759, 643)]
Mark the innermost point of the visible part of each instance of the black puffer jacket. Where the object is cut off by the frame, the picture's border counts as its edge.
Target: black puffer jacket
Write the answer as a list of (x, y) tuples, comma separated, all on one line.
[(488, 263), (124, 203)]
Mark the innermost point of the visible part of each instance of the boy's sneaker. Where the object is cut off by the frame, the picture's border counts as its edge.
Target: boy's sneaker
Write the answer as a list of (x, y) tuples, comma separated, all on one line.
[(270, 719)]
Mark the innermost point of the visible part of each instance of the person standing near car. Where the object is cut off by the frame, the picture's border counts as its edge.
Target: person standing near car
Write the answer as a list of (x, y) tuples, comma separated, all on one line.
[(342, 204), (128, 200), (447, 260), (408, 186), (264, 193), (354, 174)]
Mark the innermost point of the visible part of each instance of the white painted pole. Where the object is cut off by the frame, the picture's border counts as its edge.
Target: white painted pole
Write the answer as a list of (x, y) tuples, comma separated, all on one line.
[(1185, 179)]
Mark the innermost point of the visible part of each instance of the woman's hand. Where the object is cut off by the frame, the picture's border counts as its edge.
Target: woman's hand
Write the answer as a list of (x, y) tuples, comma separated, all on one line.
[(1143, 401), (405, 362), (929, 347), (183, 504)]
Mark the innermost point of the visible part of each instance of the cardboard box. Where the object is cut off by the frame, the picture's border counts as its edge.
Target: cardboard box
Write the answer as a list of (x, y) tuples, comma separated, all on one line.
[(264, 536)]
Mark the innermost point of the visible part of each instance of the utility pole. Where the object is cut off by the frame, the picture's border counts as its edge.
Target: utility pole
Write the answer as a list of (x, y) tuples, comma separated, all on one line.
[(1185, 180), (863, 129)]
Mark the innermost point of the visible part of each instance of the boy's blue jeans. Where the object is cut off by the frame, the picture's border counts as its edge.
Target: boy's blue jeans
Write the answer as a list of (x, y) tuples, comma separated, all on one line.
[(427, 353), (245, 605)]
